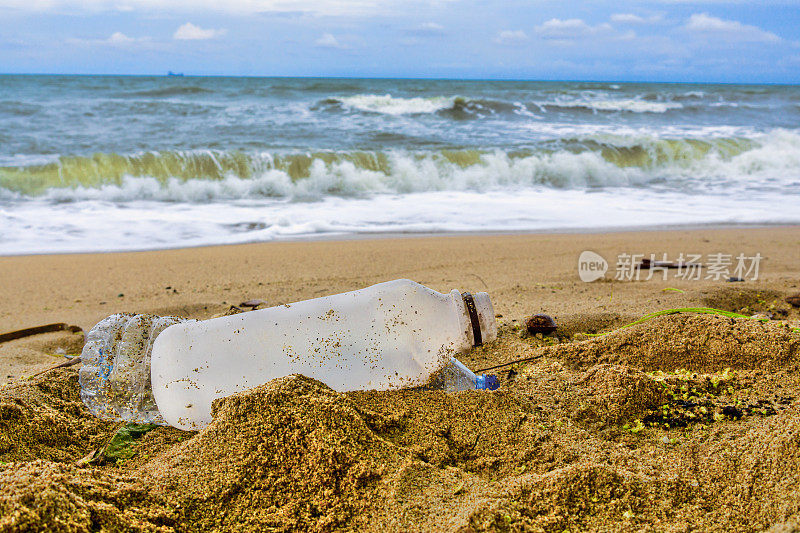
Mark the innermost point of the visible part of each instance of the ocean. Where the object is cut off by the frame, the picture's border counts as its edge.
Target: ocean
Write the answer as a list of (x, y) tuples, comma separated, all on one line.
[(104, 163)]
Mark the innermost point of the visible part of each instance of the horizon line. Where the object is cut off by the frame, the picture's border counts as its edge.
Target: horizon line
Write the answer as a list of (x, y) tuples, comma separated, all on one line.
[(171, 74)]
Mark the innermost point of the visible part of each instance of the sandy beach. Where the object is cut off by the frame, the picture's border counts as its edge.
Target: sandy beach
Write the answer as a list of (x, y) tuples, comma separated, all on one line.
[(524, 274), (620, 432)]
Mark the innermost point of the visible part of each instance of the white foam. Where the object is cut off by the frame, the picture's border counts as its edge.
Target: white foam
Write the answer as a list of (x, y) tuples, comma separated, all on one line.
[(623, 104), (393, 105), (39, 226)]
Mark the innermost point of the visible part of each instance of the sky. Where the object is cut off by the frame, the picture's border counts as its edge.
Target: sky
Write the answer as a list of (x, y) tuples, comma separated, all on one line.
[(659, 40)]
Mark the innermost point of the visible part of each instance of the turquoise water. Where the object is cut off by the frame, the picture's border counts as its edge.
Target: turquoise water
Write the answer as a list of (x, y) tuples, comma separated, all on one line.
[(165, 162)]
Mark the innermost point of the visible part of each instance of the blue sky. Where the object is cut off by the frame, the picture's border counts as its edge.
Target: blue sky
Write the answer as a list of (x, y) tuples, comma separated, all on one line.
[(726, 41)]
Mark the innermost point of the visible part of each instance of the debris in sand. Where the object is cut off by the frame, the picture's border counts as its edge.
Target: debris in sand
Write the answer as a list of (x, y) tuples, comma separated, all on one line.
[(27, 332), (252, 303), (540, 323), (69, 362), (123, 444), (794, 300), (647, 264)]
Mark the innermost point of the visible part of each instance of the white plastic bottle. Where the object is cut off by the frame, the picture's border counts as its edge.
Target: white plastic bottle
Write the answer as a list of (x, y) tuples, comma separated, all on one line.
[(386, 336)]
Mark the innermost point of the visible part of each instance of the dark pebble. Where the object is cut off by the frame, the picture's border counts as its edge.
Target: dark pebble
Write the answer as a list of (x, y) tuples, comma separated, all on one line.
[(540, 324), (120, 295), (732, 279), (794, 300)]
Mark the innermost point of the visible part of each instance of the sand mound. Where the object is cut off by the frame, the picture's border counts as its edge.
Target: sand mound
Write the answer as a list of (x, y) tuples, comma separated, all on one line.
[(295, 455), (590, 323), (694, 342), (754, 474), (44, 496), (745, 300), (468, 430), (290, 454), (578, 497), (614, 394), (580, 439), (44, 418), (745, 480)]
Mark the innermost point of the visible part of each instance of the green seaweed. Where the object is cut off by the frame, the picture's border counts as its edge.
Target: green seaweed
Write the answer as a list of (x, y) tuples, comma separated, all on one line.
[(123, 444), (702, 310)]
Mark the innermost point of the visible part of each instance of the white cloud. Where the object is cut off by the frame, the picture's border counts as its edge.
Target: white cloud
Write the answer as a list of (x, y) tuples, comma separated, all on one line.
[(511, 37), (190, 32), (116, 39), (120, 38), (630, 18), (729, 30), (327, 40), (570, 29)]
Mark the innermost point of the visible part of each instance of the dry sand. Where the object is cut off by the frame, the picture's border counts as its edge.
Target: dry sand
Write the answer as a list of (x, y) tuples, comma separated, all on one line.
[(685, 422)]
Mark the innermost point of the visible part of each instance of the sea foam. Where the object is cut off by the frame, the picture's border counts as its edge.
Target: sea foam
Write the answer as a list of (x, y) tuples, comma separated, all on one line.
[(393, 105)]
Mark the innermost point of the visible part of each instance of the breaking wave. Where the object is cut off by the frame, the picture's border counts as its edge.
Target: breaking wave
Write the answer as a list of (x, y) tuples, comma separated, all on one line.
[(393, 105), (455, 107), (629, 105), (460, 107), (719, 165)]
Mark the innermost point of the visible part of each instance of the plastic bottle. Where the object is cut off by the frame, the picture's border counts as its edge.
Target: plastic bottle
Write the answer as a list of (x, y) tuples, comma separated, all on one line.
[(387, 336), (115, 370)]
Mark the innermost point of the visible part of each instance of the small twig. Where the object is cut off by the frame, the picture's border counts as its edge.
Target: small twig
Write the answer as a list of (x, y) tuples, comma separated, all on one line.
[(485, 286), (65, 364), (525, 360), (27, 332)]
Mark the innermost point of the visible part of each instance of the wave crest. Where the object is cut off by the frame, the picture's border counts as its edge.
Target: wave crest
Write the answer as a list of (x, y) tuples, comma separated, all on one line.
[(626, 105), (459, 107), (392, 105), (721, 164)]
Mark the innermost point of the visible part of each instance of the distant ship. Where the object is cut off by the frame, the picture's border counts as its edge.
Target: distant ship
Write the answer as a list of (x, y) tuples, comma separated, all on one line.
[(170, 73)]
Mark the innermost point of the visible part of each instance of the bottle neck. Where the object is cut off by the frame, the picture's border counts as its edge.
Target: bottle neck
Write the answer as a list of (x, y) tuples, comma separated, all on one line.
[(474, 322), (466, 340), (476, 318)]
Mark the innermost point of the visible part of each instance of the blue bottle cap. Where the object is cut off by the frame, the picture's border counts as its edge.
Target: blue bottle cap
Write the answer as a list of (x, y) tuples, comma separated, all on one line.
[(486, 382)]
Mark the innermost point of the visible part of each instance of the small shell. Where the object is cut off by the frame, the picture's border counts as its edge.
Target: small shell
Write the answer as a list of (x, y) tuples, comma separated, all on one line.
[(543, 324), (252, 303)]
